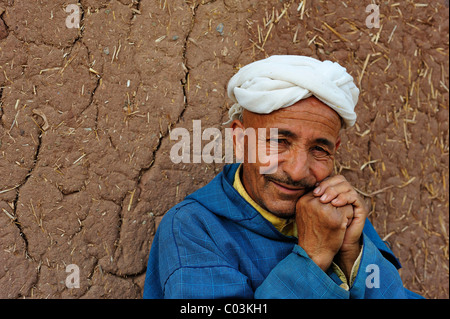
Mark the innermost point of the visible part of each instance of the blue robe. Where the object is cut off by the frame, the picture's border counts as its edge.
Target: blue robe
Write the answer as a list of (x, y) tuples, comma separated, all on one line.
[(214, 244)]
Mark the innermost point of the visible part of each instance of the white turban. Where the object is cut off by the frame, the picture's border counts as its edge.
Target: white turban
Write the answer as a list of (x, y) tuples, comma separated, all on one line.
[(282, 80)]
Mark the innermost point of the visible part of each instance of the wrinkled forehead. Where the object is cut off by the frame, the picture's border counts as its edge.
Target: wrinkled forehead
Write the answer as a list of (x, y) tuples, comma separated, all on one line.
[(310, 111)]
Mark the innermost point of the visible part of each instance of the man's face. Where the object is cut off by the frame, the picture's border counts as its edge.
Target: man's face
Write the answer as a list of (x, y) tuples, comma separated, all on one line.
[(307, 140)]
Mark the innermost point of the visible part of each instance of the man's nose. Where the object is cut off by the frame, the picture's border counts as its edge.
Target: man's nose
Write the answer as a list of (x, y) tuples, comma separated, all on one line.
[(298, 166)]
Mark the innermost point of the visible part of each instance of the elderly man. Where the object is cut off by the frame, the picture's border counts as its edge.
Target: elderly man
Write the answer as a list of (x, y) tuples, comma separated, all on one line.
[(296, 232)]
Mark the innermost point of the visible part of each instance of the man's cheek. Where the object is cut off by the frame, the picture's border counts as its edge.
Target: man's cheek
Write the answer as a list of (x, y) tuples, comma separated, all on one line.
[(269, 164), (322, 170), (267, 153)]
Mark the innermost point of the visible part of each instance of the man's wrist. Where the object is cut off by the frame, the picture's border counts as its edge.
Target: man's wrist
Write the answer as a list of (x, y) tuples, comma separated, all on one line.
[(323, 260), (346, 258)]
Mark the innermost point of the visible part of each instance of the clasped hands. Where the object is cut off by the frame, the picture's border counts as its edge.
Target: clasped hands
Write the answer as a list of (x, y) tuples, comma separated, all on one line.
[(330, 220)]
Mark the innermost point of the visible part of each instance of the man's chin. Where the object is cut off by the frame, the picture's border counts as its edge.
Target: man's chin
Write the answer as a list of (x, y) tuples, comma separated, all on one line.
[(282, 210), (284, 215)]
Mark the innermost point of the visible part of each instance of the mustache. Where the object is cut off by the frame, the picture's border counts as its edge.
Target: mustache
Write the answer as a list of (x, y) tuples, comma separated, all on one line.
[(288, 181)]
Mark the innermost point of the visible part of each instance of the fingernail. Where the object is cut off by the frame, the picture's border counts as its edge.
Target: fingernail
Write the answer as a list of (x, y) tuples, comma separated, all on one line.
[(317, 190), (323, 198)]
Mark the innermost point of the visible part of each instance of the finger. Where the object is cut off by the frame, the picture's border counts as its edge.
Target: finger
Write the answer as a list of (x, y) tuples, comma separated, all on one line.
[(347, 212), (343, 199), (328, 182), (353, 199), (332, 192)]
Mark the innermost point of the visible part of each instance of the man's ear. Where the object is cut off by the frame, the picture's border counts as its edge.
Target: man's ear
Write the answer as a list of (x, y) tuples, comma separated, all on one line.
[(338, 142), (238, 140)]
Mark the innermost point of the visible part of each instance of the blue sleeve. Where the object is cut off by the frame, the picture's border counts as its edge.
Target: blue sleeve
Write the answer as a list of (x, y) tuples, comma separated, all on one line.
[(207, 283), (185, 262), (297, 276)]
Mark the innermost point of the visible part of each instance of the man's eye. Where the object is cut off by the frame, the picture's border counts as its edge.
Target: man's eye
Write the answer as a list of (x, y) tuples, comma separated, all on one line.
[(278, 140), (320, 151)]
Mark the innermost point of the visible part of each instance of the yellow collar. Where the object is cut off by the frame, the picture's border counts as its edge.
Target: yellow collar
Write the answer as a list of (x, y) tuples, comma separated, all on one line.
[(285, 226)]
